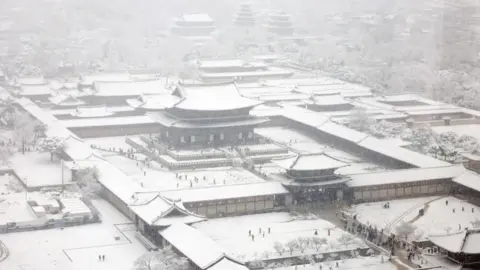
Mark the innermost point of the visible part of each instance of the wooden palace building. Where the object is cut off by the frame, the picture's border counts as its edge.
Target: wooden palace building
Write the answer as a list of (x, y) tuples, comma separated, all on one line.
[(207, 116), (312, 177), (460, 247)]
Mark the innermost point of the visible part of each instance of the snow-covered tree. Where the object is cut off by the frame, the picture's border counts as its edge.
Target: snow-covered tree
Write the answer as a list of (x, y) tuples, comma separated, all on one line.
[(24, 130), (405, 229), (163, 259), (279, 248), (346, 239), (87, 181), (292, 245), (303, 243), (358, 119), (52, 145), (318, 242)]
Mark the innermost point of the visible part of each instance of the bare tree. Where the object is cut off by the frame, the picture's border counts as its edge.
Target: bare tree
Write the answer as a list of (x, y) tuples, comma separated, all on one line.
[(292, 245), (279, 248), (359, 120), (303, 243), (318, 242), (346, 239), (163, 259), (52, 145), (405, 229), (24, 129)]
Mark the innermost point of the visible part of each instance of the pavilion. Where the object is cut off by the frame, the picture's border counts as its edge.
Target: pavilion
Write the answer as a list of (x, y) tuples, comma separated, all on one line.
[(208, 115), (312, 177), (280, 23)]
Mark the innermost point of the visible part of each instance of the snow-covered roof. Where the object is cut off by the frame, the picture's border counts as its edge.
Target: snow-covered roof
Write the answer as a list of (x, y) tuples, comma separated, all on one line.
[(65, 100), (92, 111), (167, 120), (153, 102), (227, 192), (258, 73), (435, 111), (198, 17), (343, 132), (468, 179), (76, 149), (329, 100), (40, 80), (227, 264), (193, 244), (110, 109), (405, 176), (214, 98), (313, 162), (225, 63), (304, 116), (161, 211), (465, 241), (130, 88), (401, 154), (106, 77), (75, 206), (33, 90), (112, 178), (108, 121)]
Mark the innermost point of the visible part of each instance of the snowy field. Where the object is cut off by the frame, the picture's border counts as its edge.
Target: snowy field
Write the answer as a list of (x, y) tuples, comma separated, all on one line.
[(360, 263), (439, 218), (468, 130), (373, 213), (76, 248), (233, 234), (157, 178), (296, 140), (36, 170)]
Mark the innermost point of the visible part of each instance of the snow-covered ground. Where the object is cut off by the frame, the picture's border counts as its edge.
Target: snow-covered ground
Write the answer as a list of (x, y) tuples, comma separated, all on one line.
[(296, 140), (9, 184), (36, 170), (438, 218), (156, 178), (468, 130), (303, 144), (76, 248), (359, 263), (233, 234), (375, 214)]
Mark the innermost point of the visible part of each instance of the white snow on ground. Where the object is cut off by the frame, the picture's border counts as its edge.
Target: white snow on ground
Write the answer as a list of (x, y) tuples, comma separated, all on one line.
[(292, 138), (36, 170), (157, 178), (375, 214), (360, 263), (469, 130), (440, 217), (76, 248), (9, 183), (232, 233)]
